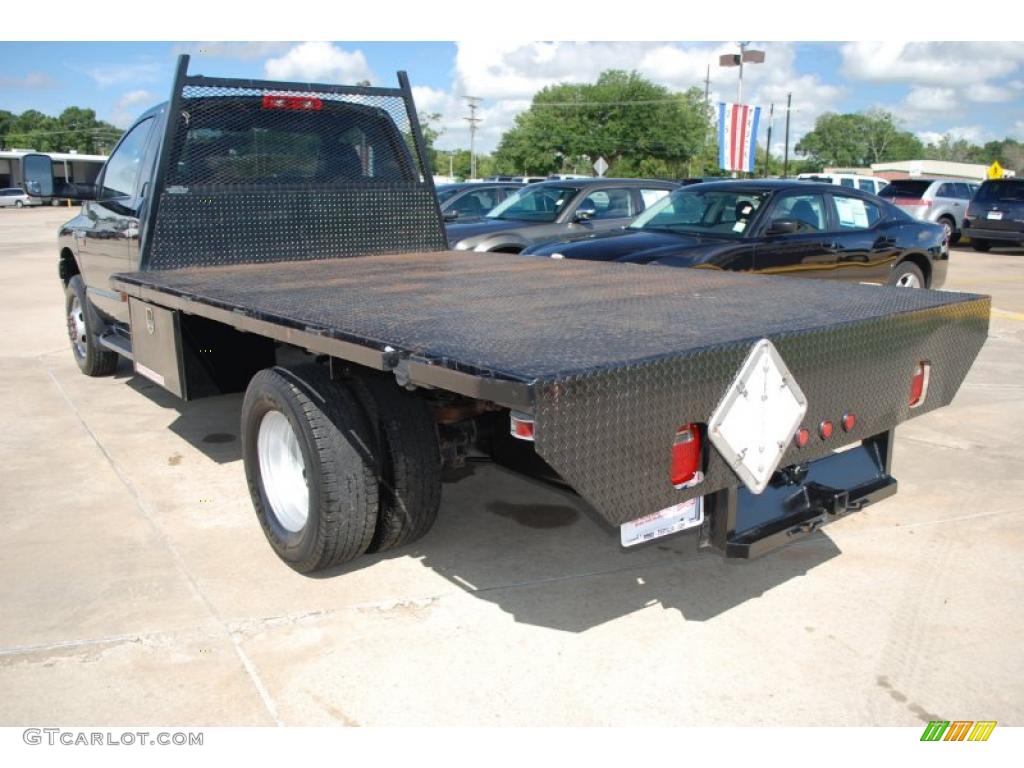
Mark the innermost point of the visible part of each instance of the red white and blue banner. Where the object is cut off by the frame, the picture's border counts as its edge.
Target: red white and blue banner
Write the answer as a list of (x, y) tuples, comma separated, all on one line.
[(737, 136)]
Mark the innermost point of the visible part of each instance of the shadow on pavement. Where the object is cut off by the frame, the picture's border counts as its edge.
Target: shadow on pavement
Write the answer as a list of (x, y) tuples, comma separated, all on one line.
[(539, 554), (210, 424)]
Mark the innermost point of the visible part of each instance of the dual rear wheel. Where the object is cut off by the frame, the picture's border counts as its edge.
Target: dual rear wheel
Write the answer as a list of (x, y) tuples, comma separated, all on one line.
[(336, 469)]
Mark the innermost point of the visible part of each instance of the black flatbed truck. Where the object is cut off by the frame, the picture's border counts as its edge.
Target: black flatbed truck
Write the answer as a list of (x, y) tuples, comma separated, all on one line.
[(276, 220)]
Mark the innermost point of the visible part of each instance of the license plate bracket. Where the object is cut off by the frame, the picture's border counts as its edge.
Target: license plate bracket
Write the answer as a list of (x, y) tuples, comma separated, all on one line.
[(678, 517)]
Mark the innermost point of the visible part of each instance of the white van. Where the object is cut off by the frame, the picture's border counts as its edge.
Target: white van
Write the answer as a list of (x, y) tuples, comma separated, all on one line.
[(872, 184)]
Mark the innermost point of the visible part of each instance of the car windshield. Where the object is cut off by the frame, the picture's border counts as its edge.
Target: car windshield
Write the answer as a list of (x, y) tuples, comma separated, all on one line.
[(703, 211), (992, 191), (534, 204)]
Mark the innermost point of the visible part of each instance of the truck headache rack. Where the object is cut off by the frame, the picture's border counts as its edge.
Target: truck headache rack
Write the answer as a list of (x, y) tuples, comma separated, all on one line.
[(258, 171)]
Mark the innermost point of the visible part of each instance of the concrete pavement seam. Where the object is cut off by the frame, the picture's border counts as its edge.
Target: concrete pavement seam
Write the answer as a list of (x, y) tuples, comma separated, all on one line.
[(147, 515)]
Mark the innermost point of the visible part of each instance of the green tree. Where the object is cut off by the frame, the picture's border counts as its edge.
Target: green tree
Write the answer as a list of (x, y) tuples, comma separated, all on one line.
[(640, 128), (76, 129), (858, 140)]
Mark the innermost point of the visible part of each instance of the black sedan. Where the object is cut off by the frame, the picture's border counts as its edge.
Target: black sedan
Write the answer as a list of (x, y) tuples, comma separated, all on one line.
[(774, 227)]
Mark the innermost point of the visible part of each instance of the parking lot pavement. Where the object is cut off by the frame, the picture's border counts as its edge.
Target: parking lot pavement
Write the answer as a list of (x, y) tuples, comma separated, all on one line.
[(136, 586)]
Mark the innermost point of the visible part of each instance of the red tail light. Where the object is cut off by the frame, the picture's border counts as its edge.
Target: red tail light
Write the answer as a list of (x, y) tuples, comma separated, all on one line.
[(911, 201), (849, 421), (521, 425), (919, 384), (685, 471), (825, 430), (801, 437), (292, 102)]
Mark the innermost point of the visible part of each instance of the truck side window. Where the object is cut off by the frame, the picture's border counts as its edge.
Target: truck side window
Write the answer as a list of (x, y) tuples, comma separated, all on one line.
[(122, 172)]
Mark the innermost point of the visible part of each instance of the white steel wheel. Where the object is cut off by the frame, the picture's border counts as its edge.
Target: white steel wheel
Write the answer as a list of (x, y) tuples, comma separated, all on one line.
[(908, 280), (77, 331), (283, 471)]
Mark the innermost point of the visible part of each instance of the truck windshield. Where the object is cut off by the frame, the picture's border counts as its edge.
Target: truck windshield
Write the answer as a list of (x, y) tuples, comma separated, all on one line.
[(238, 141), (534, 204), (707, 211), (910, 188)]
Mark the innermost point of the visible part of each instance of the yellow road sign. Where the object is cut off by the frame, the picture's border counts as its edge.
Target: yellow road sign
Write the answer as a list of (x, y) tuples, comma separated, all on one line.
[(995, 171)]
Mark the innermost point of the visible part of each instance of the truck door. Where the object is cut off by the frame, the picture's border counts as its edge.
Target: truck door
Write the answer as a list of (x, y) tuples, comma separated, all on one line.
[(110, 241)]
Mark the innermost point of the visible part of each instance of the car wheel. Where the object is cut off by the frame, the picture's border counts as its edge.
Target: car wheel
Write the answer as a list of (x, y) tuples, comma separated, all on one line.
[(980, 245), (950, 228), (18, 204), (907, 275), (83, 328), (309, 464)]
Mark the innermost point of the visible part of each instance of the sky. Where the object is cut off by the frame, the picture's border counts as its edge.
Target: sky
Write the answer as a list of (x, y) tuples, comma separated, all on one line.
[(973, 90)]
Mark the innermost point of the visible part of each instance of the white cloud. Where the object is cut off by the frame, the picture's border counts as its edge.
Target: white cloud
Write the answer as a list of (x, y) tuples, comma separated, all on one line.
[(940, 64), (986, 93), (129, 106), (507, 75), (975, 134), (31, 80), (320, 62), (927, 99), (106, 75)]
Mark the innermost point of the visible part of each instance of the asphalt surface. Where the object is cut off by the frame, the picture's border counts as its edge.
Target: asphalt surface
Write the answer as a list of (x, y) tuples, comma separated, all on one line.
[(136, 587)]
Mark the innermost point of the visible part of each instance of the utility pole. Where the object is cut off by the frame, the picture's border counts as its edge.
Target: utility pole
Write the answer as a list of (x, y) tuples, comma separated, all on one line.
[(737, 60), (474, 102), (768, 146), (785, 161), (707, 87)]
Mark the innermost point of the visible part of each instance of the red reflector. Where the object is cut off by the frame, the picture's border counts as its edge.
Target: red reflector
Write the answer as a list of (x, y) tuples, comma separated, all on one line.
[(292, 102), (919, 384), (685, 470), (802, 437), (849, 421), (521, 425), (825, 429)]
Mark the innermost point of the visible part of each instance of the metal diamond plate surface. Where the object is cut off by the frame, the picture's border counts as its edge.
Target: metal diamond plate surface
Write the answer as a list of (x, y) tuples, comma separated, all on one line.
[(619, 355)]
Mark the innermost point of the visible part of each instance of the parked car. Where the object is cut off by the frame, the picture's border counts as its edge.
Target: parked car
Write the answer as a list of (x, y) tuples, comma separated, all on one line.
[(872, 184), (471, 200), (775, 227), (996, 214), (13, 197), (943, 201), (549, 209)]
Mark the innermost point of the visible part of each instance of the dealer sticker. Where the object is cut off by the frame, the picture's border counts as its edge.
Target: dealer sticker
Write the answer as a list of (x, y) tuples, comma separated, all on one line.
[(678, 517)]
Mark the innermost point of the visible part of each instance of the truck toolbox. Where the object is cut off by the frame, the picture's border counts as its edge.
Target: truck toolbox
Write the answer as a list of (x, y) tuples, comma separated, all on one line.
[(294, 221)]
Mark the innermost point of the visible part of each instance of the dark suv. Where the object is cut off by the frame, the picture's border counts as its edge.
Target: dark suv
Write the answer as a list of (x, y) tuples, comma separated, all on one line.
[(996, 214)]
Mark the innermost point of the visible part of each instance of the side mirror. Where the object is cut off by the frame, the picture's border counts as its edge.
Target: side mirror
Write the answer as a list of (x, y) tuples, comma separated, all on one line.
[(38, 181), (783, 226), (38, 175), (584, 214)]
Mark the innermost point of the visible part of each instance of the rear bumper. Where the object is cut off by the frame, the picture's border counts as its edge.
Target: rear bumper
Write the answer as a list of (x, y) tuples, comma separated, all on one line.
[(801, 500), (1006, 235)]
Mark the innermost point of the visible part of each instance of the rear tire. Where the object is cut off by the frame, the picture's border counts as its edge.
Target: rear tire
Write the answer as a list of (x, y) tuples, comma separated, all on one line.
[(949, 225), (409, 461), (907, 275), (83, 329), (18, 204), (310, 474), (980, 245)]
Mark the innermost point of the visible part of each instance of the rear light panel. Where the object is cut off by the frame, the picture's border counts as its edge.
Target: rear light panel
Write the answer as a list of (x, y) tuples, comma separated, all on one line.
[(919, 383), (912, 201), (521, 426), (685, 471), (301, 103)]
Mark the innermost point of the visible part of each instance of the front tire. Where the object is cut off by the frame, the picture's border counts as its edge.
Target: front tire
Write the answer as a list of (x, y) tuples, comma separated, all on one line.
[(83, 329), (980, 245), (907, 275), (309, 464)]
